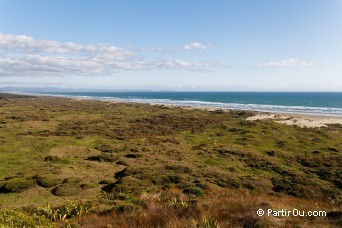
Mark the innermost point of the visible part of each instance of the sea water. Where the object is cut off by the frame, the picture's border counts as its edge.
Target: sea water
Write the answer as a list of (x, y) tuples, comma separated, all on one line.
[(320, 103)]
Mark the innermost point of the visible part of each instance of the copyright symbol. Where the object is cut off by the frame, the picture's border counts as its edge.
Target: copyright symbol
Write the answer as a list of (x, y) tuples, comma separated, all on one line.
[(260, 212)]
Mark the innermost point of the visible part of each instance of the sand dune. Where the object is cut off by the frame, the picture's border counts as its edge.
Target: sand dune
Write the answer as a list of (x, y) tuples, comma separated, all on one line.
[(299, 120)]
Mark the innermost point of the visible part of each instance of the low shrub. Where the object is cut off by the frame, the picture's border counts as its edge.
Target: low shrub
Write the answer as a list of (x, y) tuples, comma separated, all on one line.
[(114, 196), (47, 181), (67, 189), (174, 179), (133, 155), (193, 190), (123, 208), (18, 185), (292, 186), (249, 186), (129, 184)]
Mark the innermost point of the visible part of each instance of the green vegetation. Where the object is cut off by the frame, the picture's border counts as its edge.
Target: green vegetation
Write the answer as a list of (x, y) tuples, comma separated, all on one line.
[(67, 189), (193, 190), (130, 158), (17, 185), (47, 181)]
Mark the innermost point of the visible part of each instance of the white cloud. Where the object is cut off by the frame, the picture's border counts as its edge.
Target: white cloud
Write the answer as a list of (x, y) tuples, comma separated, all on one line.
[(196, 45), (22, 55), (23, 43), (180, 64), (185, 47), (294, 62)]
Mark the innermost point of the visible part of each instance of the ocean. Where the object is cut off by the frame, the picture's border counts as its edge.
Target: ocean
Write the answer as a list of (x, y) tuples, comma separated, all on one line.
[(322, 103)]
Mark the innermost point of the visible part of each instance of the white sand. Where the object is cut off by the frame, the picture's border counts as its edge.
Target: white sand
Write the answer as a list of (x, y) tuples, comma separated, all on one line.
[(299, 120)]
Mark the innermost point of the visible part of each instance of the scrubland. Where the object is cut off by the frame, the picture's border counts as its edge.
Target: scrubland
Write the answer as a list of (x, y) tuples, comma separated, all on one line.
[(84, 163)]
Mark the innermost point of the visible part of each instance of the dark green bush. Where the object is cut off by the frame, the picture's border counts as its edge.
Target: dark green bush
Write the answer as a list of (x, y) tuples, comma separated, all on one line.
[(133, 155), (249, 186), (291, 186), (123, 208), (171, 179), (193, 190)]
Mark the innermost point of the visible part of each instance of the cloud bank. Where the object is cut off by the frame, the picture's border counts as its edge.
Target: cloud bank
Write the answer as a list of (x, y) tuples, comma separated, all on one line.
[(22, 55), (294, 62)]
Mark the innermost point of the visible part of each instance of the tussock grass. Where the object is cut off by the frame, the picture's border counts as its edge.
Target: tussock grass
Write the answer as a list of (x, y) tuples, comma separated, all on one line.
[(230, 208)]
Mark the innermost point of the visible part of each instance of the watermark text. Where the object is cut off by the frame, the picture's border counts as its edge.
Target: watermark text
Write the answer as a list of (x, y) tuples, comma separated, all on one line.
[(293, 212)]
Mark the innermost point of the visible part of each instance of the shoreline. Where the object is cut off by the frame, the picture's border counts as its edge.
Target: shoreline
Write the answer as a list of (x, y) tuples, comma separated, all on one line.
[(288, 118), (298, 119)]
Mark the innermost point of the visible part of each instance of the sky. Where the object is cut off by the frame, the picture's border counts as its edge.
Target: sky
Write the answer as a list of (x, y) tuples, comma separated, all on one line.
[(192, 45)]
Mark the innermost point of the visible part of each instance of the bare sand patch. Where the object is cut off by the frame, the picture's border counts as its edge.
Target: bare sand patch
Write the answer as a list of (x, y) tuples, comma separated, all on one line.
[(297, 119)]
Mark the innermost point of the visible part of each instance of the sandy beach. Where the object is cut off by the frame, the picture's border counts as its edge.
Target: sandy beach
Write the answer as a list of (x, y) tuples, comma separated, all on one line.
[(301, 120)]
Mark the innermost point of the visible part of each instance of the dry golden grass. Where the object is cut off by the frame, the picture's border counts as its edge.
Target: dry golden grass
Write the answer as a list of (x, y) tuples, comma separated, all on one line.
[(229, 208)]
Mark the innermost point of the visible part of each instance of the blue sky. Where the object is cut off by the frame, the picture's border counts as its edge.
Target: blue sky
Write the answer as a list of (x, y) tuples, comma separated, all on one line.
[(265, 45)]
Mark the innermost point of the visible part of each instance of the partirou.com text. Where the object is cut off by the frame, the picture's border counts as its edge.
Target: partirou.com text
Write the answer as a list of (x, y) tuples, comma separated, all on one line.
[(292, 212)]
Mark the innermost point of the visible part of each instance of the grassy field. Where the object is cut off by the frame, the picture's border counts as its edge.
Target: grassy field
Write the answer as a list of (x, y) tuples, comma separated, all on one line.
[(93, 163)]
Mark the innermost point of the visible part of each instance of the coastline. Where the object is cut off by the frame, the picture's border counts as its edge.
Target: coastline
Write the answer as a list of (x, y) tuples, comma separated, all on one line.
[(298, 119), (287, 118), (217, 104)]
